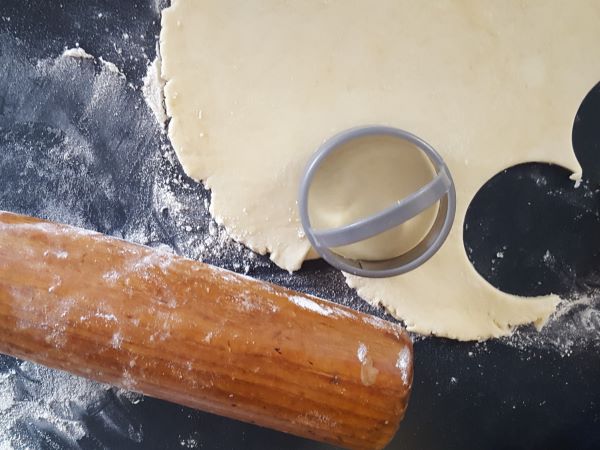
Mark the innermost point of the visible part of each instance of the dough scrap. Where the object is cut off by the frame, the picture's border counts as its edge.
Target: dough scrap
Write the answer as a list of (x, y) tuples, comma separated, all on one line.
[(253, 88)]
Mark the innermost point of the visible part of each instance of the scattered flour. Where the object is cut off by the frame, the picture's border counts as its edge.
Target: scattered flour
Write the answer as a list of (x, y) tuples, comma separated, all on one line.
[(324, 310), (111, 66), (77, 52), (361, 353), (189, 442), (153, 91), (310, 305), (34, 398), (402, 364), (184, 206), (574, 326)]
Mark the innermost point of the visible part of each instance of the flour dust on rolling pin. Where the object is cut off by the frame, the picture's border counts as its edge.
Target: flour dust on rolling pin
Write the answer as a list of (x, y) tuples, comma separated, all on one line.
[(187, 332)]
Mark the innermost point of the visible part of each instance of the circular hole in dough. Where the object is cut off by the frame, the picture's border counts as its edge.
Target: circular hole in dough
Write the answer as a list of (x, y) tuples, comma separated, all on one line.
[(529, 231), (363, 177), (586, 135)]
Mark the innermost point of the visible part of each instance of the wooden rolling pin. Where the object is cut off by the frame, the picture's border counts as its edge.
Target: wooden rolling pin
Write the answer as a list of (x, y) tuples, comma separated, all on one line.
[(197, 335)]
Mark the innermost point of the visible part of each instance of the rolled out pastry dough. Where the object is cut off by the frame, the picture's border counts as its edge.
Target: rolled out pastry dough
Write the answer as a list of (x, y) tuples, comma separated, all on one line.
[(254, 87)]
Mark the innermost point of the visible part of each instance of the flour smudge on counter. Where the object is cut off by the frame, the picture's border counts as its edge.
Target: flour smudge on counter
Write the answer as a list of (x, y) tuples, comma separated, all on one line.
[(37, 402)]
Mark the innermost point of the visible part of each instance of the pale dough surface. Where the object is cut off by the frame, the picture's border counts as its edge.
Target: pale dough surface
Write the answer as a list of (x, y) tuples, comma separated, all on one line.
[(364, 177), (254, 87)]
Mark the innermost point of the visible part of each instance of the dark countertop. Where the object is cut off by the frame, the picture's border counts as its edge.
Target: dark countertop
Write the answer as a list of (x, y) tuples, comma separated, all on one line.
[(78, 145)]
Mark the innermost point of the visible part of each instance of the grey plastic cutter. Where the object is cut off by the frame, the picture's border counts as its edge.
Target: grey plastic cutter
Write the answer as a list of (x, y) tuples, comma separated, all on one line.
[(441, 189)]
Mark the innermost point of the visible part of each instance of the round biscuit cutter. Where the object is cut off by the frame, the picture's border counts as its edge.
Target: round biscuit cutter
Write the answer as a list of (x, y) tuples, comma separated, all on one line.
[(440, 188)]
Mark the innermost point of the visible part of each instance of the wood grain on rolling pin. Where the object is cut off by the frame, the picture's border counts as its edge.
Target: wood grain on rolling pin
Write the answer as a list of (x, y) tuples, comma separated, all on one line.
[(198, 335)]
